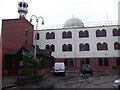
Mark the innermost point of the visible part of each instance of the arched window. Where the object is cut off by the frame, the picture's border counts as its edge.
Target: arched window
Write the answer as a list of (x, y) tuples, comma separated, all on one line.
[(38, 36), (86, 33), (24, 5), (47, 47), (52, 47), (98, 33), (64, 47), (47, 35), (119, 32), (87, 48), (115, 32), (99, 46), (103, 33), (26, 32), (52, 35), (20, 4), (116, 46), (104, 46), (81, 34), (69, 35), (69, 47), (64, 35), (81, 47)]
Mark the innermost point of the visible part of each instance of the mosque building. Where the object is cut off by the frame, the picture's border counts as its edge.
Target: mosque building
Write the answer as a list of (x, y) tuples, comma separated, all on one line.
[(75, 45)]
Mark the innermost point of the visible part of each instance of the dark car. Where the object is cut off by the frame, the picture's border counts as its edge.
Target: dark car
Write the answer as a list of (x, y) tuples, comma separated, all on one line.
[(86, 69)]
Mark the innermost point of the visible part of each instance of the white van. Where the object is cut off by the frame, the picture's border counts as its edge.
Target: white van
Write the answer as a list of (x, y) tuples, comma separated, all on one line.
[(59, 67)]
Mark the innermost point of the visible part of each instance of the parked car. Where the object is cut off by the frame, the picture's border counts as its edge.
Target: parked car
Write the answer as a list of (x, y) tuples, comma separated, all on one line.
[(59, 67), (116, 84), (86, 69)]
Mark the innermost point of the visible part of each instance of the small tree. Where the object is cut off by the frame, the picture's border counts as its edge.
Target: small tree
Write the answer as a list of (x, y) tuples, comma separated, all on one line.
[(30, 64)]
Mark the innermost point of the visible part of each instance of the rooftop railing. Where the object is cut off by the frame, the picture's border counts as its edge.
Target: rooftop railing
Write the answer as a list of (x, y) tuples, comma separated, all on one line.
[(86, 24)]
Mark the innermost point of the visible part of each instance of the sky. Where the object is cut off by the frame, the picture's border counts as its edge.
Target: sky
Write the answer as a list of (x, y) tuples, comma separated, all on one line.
[(56, 12)]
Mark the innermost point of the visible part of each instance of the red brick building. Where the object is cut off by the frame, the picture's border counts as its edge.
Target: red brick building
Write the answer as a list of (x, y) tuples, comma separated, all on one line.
[(15, 34)]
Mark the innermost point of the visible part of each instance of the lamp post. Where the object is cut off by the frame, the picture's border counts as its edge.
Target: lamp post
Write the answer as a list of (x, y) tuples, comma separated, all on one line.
[(37, 20)]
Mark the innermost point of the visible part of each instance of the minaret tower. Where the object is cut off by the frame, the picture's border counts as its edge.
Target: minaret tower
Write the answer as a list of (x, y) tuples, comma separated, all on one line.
[(22, 9)]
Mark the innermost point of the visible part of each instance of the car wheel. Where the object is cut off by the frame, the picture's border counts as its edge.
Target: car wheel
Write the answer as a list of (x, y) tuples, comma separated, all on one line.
[(54, 74), (119, 87)]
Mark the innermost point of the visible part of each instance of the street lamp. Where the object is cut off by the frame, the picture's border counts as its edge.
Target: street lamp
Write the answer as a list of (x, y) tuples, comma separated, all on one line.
[(37, 20)]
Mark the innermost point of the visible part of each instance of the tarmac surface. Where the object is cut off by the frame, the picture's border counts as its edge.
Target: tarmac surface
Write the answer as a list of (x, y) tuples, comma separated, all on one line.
[(100, 79)]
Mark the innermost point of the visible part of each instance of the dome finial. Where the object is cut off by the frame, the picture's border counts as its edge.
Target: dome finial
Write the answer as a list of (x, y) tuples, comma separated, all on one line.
[(72, 16)]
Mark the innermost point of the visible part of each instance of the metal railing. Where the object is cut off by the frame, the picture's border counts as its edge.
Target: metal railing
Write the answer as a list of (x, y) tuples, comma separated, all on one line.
[(86, 24)]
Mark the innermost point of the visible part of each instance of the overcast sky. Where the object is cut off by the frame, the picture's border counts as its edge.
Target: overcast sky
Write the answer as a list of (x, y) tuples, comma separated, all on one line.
[(58, 11)]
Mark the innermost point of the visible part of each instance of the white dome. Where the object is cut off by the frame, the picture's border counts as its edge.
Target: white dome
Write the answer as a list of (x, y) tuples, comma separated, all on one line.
[(73, 22)]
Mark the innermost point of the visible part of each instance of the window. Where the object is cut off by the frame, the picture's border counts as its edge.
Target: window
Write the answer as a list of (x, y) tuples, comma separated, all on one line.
[(116, 46), (66, 62), (119, 31), (26, 32), (86, 34), (100, 62), (47, 35), (81, 47), (104, 46), (87, 47), (24, 5), (106, 63), (20, 4), (99, 46), (67, 34), (38, 36), (52, 35), (81, 34), (64, 35), (103, 62), (98, 33), (118, 61), (87, 61), (103, 33), (67, 47), (52, 47), (47, 47), (64, 47), (115, 32), (84, 47), (71, 62), (82, 62)]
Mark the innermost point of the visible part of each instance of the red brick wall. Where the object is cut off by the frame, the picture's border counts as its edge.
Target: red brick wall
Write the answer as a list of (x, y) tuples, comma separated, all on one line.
[(13, 33), (14, 36), (93, 63)]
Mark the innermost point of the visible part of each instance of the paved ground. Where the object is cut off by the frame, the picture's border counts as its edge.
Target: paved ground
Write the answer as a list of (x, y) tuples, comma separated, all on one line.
[(71, 80)]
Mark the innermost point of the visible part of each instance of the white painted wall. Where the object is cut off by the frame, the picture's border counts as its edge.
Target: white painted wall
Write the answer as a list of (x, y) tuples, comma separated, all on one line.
[(75, 41)]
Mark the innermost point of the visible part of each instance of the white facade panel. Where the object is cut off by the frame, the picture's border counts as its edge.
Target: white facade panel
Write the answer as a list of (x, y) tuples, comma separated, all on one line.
[(92, 40)]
